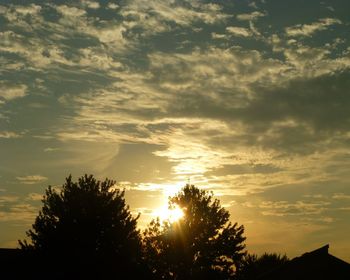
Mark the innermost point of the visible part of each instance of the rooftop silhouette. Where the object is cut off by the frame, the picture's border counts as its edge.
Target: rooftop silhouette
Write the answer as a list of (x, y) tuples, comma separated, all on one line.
[(317, 264)]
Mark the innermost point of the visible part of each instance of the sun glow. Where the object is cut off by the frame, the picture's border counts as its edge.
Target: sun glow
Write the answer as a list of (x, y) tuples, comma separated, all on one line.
[(166, 214)]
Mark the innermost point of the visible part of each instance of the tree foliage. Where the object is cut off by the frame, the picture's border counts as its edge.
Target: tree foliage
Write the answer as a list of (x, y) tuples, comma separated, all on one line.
[(86, 225), (252, 266), (204, 244)]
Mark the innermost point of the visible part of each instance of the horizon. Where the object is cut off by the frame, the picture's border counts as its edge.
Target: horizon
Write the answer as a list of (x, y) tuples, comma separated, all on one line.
[(248, 99)]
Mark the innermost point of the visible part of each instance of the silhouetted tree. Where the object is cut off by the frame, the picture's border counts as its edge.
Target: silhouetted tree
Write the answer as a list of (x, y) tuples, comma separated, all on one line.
[(252, 266), (86, 229), (201, 245)]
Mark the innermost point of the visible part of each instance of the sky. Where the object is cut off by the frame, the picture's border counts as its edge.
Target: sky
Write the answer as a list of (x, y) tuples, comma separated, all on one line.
[(248, 99)]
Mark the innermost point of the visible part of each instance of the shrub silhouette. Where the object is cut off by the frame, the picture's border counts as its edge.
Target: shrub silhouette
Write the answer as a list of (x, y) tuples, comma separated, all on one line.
[(86, 231), (201, 245)]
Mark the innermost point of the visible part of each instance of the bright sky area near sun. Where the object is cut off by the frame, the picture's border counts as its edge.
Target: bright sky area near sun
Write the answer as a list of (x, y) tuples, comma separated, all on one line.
[(248, 99)]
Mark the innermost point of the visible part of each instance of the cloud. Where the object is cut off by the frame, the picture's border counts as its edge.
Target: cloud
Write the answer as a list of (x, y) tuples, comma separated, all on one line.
[(34, 197), (284, 208), (218, 36), (70, 12), (96, 58), (309, 29), (31, 179), (20, 212), (113, 6), (8, 199), (52, 52), (244, 169), (32, 51), (157, 16), (207, 115), (239, 31), (91, 4), (214, 69), (341, 196), (50, 149), (31, 9), (9, 134), (8, 93), (253, 5), (251, 17)]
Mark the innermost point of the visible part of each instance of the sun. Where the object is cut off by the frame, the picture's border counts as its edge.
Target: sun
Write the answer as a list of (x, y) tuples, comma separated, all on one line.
[(166, 214)]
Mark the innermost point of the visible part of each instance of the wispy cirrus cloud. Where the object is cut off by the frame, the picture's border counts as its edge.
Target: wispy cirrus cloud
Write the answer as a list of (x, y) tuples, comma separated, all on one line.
[(34, 197), (8, 199), (309, 29), (20, 212), (10, 134), (239, 31), (31, 179), (341, 196), (282, 208), (251, 16), (164, 12)]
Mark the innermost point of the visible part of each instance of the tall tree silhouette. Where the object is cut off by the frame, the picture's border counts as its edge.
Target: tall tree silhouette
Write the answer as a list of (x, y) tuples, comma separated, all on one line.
[(201, 245), (87, 228)]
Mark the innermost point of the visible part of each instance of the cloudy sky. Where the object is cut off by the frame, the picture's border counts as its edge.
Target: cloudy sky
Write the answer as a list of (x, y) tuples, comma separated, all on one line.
[(249, 99)]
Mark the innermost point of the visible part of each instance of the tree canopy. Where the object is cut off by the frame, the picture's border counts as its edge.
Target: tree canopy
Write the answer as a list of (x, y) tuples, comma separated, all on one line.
[(87, 225), (253, 266), (203, 244), (86, 230)]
